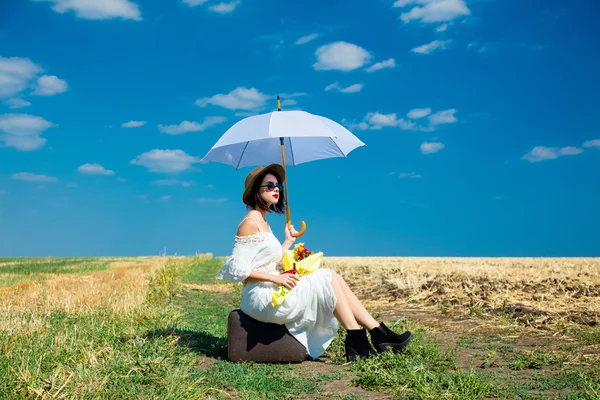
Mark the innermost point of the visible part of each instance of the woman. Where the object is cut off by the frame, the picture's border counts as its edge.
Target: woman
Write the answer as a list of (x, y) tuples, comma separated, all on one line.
[(316, 301)]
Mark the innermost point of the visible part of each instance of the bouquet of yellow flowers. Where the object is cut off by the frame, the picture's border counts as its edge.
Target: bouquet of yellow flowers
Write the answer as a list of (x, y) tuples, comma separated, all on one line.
[(299, 261)]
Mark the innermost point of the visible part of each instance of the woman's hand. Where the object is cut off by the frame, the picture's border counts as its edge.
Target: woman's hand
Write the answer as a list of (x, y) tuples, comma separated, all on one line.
[(289, 232), (288, 280)]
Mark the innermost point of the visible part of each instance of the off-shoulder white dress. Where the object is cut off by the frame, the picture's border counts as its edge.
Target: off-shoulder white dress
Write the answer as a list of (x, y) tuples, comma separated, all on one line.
[(307, 311)]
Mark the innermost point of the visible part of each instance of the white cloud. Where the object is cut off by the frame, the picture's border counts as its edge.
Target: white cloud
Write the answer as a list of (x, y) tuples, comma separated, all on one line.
[(341, 56), (433, 10), (357, 87), (194, 3), (592, 143), (417, 113), (240, 98), (94, 169), (16, 102), (402, 3), (15, 74), (18, 74), (166, 197), (225, 8), (96, 9), (247, 113), (170, 161), (29, 177), (389, 63), (205, 200), (308, 38), (23, 131), (122, 180), (133, 124), (431, 47), (49, 85), (442, 28), (166, 182), (570, 151), (171, 182), (376, 120), (543, 153), (362, 126), (442, 117), (292, 95), (487, 48), (431, 147), (190, 126), (289, 102), (411, 175)]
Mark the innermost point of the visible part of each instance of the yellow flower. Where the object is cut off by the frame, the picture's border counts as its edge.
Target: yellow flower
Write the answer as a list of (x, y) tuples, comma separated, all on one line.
[(279, 296), (308, 265)]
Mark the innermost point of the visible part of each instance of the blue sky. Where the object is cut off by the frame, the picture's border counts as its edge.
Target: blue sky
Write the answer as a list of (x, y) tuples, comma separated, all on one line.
[(480, 119)]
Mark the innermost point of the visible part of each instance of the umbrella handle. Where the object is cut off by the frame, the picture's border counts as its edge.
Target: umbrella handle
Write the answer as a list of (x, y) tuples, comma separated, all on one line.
[(301, 231)]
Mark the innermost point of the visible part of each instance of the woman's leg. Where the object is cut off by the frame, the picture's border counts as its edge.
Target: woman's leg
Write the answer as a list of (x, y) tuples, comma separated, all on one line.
[(382, 337), (343, 311), (360, 313)]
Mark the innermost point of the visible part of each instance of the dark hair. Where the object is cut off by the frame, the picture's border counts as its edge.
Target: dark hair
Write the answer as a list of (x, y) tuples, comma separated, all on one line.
[(256, 202)]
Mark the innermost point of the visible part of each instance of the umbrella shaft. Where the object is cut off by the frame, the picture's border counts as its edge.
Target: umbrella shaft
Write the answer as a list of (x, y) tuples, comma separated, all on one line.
[(287, 204)]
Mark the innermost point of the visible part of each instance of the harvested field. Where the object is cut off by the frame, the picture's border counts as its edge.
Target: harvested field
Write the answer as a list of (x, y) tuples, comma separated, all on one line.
[(543, 293)]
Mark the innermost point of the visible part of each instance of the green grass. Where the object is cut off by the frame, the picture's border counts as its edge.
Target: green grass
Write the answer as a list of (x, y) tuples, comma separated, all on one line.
[(589, 335), (533, 360), (9, 280), (424, 372), (19, 259), (31, 266)]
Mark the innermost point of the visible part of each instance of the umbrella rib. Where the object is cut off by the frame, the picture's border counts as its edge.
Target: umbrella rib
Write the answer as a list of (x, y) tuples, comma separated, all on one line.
[(240, 160), (292, 152), (336, 145)]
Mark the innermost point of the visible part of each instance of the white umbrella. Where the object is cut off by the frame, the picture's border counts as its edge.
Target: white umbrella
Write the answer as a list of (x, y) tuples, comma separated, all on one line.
[(293, 136)]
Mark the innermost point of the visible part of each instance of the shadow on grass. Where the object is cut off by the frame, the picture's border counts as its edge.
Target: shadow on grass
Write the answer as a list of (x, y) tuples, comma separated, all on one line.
[(199, 342)]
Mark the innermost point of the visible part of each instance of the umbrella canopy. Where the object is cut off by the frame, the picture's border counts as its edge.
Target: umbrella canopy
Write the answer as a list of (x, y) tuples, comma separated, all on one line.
[(295, 136), (306, 137)]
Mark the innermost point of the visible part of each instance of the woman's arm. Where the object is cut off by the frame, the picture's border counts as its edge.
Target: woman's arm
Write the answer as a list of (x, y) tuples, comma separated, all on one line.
[(257, 276), (289, 240), (285, 247), (286, 280)]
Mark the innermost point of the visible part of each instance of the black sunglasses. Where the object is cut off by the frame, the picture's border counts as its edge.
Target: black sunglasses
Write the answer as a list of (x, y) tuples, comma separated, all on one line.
[(271, 186)]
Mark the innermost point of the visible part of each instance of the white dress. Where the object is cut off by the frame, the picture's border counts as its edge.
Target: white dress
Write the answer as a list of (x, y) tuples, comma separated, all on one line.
[(307, 311)]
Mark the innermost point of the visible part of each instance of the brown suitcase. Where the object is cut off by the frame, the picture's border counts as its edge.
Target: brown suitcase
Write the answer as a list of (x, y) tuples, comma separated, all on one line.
[(252, 340)]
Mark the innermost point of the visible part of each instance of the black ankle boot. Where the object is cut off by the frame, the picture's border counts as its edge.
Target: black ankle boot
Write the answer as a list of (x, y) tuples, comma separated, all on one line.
[(357, 345), (385, 339)]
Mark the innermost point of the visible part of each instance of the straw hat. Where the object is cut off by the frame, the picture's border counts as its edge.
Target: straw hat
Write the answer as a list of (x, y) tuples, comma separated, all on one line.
[(255, 173)]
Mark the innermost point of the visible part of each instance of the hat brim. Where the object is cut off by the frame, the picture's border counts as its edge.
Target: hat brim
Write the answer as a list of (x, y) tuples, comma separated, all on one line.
[(276, 168)]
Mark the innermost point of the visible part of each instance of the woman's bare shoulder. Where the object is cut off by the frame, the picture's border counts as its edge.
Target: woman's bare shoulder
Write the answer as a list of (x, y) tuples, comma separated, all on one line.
[(248, 226)]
